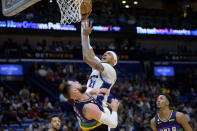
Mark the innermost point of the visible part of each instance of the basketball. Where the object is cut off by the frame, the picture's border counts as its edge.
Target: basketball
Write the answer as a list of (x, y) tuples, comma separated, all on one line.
[(86, 7)]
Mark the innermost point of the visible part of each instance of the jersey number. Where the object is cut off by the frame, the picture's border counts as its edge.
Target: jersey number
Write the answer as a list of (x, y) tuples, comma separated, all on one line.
[(168, 129), (92, 84)]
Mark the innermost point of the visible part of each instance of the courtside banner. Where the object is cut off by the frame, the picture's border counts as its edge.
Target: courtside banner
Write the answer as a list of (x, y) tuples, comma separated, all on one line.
[(76, 55), (62, 55), (54, 26), (166, 31)]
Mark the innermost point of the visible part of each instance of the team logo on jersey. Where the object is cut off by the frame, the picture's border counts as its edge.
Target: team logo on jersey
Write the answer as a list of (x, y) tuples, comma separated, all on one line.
[(158, 121), (171, 120)]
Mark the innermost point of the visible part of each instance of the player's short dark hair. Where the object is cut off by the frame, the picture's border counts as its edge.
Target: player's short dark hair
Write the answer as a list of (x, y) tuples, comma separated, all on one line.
[(65, 90), (168, 98), (52, 116)]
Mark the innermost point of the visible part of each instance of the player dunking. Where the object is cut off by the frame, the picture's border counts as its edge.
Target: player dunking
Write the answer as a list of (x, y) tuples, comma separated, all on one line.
[(103, 74), (168, 120)]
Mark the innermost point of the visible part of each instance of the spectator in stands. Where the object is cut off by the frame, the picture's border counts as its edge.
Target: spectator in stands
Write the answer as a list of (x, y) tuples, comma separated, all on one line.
[(192, 95), (30, 13), (56, 108), (65, 107), (70, 125), (10, 116), (42, 71), (26, 45), (138, 124), (187, 108), (45, 112), (144, 105), (26, 104), (24, 93), (35, 67), (1, 92), (35, 126), (146, 122), (37, 97), (62, 99), (22, 113), (39, 47), (34, 112), (59, 48), (50, 76), (1, 115), (70, 68), (16, 104), (46, 125), (33, 99), (57, 77), (48, 103), (5, 104)]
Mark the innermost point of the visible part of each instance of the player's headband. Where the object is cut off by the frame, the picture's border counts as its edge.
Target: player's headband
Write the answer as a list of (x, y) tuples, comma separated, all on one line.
[(115, 57)]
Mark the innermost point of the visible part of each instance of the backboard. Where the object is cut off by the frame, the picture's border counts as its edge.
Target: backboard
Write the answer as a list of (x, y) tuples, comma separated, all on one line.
[(12, 7)]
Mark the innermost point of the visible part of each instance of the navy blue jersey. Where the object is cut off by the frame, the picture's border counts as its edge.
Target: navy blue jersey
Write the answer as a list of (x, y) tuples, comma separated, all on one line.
[(169, 125), (85, 124)]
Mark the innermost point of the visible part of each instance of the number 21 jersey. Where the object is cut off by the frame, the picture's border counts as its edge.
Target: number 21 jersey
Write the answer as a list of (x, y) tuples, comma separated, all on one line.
[(105, 79)]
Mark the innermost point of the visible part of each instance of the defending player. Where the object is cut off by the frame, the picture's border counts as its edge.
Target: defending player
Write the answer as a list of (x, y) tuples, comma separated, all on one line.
[(103, 74), (90, 114), (168, 120)]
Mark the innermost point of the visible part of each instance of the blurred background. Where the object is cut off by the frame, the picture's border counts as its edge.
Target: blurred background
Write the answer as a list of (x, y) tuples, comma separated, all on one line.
[(156, 41)]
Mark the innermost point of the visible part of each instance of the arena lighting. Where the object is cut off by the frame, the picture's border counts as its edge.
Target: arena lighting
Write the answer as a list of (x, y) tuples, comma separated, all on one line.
[(135, 2), (127, 6), (155, 31), (52, 26), (124, 2)]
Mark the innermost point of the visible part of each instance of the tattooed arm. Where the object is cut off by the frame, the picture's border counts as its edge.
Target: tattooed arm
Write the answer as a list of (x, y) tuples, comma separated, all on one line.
[(88, 53)]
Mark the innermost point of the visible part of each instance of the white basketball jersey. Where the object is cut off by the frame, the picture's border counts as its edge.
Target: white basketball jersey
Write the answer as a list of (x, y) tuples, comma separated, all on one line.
[(98, 80)]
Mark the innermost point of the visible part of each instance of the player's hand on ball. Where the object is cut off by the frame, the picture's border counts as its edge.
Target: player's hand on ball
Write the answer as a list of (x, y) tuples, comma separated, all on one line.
[(86, 27), (114, 105), (85, 16)]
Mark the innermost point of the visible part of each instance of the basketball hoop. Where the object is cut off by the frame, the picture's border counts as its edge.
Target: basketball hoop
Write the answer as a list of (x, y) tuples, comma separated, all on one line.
[(70, 11)]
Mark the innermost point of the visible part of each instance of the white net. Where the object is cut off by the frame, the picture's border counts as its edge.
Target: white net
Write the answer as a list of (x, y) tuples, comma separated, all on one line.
[(70, 11)]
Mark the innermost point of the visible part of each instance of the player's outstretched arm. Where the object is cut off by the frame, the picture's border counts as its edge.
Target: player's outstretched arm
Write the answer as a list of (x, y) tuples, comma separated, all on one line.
[(153, 124), (182, 120), (88, 53), (92, 111)]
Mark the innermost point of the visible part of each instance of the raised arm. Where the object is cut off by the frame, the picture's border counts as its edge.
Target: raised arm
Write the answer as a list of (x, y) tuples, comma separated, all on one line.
[(182, 120), (88, 53), (92, 111)]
